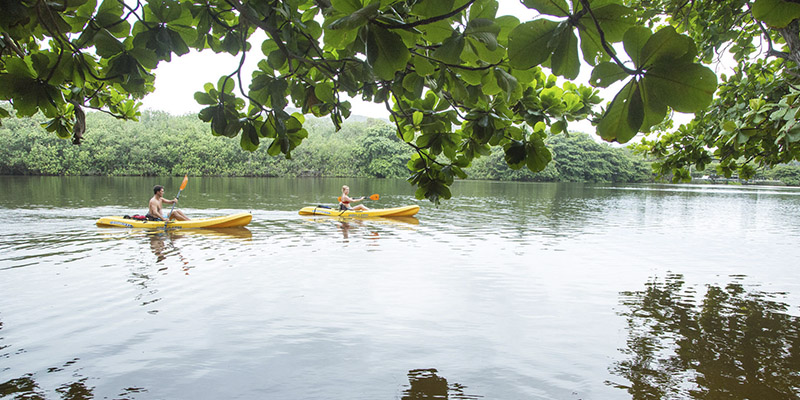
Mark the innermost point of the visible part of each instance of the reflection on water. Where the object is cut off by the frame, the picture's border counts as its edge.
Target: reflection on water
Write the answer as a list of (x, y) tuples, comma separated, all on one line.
[(734, 344), (427, 384), (510, 289), (26, 387), (366, 228)]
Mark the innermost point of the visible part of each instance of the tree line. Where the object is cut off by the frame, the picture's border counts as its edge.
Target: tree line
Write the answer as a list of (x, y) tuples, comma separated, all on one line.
[(160, 144)]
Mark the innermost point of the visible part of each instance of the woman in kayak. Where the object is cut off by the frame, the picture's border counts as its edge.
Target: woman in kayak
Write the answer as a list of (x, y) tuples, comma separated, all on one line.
[(154, 211), (346, 200)]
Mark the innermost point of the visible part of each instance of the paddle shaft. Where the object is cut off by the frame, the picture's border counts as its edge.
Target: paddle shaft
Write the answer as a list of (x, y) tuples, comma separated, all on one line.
[(183, 185)]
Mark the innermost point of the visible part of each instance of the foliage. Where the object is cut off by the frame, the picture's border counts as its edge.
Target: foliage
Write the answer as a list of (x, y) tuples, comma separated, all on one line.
[(788, 174), (576, 158), (458, 79), (160, 144), (752, 121)]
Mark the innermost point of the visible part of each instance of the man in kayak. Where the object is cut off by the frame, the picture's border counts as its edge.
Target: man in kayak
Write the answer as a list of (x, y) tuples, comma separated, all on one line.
[(346, 200), (155, 212)]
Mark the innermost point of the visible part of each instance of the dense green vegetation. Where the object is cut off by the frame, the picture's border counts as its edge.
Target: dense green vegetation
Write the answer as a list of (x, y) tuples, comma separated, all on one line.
[(161, 144), (576, 158)]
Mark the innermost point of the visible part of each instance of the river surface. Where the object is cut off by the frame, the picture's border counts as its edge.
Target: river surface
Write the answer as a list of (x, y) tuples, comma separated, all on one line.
[(506, 291)]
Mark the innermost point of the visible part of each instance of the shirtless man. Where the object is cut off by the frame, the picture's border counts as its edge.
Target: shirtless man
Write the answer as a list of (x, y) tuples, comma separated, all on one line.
[(155, 206)]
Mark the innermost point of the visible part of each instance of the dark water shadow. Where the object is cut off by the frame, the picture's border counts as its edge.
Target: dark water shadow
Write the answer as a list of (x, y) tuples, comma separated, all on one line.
[(75, 386), (733, 342), (427, 384)]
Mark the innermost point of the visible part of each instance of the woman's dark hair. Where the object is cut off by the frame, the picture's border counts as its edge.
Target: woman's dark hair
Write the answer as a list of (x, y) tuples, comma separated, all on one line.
[(157, 188)]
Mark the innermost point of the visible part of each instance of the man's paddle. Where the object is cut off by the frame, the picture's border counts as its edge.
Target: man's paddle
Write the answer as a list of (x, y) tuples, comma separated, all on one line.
[(183, 186), (373, 197)]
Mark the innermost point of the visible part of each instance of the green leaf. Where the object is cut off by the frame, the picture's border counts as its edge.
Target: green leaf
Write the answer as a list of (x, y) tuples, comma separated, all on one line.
[(436, 32), (538, 155), (515, 154), (450, 50), (615, 20), (553, 7), (249, 140), (634, 41), (506, 81), (686, 88), (386, 52), (607, 73), (484, 31), (324, 92), (483, 9), (664, 46), (417, 118), (346, 6), (565, 61), (422, 66), (107, 45), (204, 98), (357, 19), (654, 109), (528, 43), (622, 120), (776, 13)]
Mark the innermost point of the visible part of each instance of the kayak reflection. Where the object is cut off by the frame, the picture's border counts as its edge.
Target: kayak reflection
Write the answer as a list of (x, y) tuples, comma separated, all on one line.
[(427, 384), (347, 224), (162, 242), (732, 343)]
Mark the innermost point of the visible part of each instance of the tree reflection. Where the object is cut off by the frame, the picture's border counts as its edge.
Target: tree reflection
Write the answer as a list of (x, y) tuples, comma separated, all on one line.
[(427, 384), (26, 387), (733, 344)]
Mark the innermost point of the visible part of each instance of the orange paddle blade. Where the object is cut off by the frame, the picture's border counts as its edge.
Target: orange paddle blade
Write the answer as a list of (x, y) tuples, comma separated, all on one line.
[(375, 197), (339, 198), (185, 181)]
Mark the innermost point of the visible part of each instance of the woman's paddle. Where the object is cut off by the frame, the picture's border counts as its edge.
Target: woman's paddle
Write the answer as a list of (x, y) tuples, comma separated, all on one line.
[(373, 197), (183, 186)]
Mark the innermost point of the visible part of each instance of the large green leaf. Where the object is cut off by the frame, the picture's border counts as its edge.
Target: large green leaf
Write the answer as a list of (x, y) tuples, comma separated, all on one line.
[(606, 73), (634, 41), (686, 88), (432, 8), (386, 52), (565, 61), (484, 31), (538, 155), (666, 45), (654, 109), (357, 18), (776, 13), (624, 116), (483, 9), (450, 50), (347, 6), (558, 8), (528, 43), (615, 20)]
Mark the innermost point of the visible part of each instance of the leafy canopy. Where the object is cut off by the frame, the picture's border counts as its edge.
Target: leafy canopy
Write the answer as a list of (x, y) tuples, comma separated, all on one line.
[(457, 78)]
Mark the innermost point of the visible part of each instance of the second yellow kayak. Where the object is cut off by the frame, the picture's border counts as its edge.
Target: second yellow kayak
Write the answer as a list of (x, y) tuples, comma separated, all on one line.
[(405, 211)]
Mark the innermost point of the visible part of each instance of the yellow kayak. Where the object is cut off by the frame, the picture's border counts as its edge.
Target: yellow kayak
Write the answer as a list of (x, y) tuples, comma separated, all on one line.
[(226, 221), (405, 211)]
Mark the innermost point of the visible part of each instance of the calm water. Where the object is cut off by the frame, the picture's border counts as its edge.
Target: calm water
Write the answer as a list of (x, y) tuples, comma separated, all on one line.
[(508, 291)]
